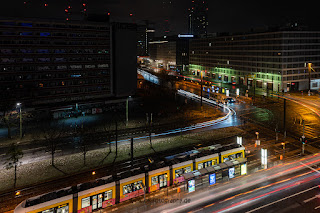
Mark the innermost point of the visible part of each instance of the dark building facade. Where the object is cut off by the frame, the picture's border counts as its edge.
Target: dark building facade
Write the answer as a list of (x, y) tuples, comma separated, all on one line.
[(198, 18), (275, 60), (171, 53), (59, 62)]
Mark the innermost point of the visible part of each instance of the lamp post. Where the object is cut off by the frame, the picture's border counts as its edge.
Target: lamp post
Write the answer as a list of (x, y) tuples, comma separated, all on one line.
[(309, 69), (20, 115), (201, 87)]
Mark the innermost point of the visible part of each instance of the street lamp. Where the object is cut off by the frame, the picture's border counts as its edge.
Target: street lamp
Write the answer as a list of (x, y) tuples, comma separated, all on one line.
[(201, 75), (20, 115)]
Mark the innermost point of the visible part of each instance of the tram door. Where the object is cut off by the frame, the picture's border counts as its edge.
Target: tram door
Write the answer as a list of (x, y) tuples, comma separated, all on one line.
[(97, 201), (162, 181), (100, 197), (94, 202)]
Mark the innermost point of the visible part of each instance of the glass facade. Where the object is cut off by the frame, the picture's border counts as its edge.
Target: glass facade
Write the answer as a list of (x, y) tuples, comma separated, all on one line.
[(37, 66), (276, 58)]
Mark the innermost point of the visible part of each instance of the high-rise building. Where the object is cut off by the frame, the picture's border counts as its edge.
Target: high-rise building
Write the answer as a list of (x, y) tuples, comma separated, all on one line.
[(46, 62), (167, 14), (198, 18), (171, 52), (145, 33), (276, 60)]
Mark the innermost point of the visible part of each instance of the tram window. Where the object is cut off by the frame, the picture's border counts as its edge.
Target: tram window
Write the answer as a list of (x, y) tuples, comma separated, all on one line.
[(187, 169), (137, 186), (154, 180), (200, 166), (239, 155), (108, 195), (127, 189), (64, 209), (208, 163), (48, 211), (232, 157), (179, 172), (85, 202)]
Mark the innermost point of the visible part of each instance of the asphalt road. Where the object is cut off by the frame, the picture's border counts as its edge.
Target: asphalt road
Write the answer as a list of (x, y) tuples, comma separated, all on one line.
[(291, 187)]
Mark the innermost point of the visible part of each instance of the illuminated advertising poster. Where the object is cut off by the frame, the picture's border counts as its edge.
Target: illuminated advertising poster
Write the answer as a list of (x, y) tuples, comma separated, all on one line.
[(212, 179), (191, 185), (244, 169), (231, 172)]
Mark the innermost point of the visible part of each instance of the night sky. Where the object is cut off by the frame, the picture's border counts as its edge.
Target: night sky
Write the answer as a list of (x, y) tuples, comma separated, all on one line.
[(224, 16)]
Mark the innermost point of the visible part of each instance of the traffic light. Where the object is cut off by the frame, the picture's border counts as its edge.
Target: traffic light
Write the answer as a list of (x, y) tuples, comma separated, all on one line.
[(303, 139)]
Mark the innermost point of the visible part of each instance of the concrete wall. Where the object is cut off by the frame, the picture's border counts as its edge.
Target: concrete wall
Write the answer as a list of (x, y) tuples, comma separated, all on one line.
[(124, 59)]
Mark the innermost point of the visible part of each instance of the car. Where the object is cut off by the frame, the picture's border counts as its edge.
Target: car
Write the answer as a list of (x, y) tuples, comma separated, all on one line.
[(230, 100)]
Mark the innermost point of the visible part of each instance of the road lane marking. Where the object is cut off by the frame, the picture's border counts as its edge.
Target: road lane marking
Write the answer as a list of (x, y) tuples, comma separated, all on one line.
[(277, 201), (309, 167), (307, 200)]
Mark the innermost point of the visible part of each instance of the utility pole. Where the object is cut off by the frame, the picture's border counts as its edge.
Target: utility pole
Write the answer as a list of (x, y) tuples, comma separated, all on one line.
[(309, 70), (116, 138), (20, 117), (201, 87), (276, 130), (127, 111), (303, 138), (284, 118), (20, 122), (131, 152), (254, 91)]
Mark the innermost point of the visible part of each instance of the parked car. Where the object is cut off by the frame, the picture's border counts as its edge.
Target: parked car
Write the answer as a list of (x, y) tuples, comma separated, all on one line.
[(230, 100)]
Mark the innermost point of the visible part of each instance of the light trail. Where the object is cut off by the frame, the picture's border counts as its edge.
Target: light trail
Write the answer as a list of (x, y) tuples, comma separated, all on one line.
[(205, 124), (267, 178), (299, 102)]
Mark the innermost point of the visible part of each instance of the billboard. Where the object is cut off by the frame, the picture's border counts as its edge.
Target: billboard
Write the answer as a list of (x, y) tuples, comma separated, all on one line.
[(191, 185), (244, 169), (212, 179), (231, 172)]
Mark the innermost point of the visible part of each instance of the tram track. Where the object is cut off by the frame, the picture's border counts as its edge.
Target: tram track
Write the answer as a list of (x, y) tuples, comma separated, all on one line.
[(8, 199)]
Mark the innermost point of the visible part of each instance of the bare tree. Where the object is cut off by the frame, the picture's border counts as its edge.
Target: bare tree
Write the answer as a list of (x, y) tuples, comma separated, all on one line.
[(51, 133), (14, 155), (85, 140)]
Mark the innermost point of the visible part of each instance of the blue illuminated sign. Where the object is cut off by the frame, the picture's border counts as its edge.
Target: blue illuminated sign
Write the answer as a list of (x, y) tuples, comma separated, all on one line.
[(212, 179)]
